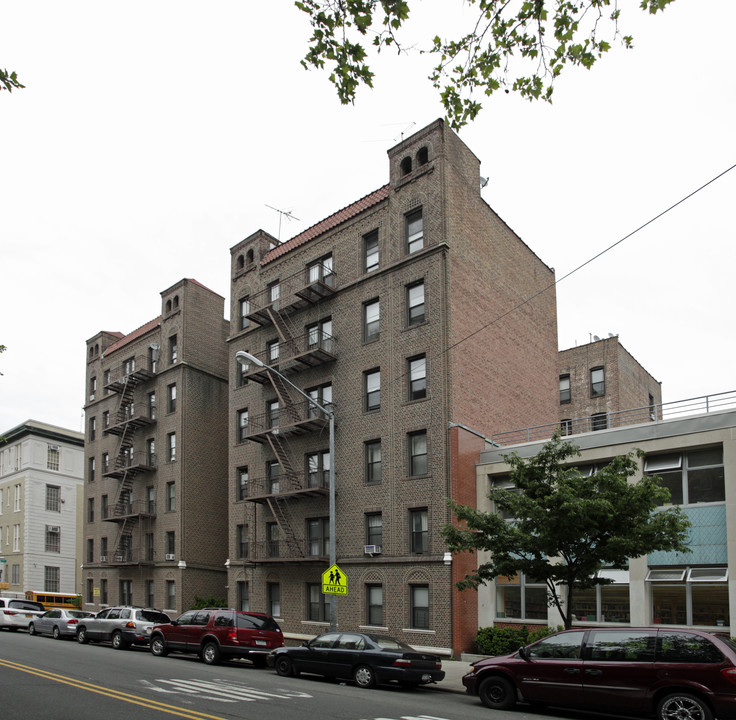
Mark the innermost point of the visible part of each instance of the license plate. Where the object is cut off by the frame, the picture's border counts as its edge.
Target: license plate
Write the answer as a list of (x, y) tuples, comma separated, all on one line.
[(426, 678), (261, 643), (29, 616)]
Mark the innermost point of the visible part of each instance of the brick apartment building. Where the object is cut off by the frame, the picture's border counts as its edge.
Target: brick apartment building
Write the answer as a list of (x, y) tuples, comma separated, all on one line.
[(602, 385), (155, 490), (384, 311)]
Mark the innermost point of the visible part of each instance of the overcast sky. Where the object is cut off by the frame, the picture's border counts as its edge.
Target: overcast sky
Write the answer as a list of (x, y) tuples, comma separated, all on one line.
[(152, 136)]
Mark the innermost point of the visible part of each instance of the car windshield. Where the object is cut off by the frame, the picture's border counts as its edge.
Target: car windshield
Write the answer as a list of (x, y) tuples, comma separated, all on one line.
[(152, 616), (388, 643)]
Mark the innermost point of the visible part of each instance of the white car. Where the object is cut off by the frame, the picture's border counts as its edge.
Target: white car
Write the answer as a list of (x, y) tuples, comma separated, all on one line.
[(16, 614), (58, 623)]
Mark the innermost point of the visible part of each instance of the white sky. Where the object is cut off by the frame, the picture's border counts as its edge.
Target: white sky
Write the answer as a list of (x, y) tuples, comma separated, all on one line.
[(152, 135)]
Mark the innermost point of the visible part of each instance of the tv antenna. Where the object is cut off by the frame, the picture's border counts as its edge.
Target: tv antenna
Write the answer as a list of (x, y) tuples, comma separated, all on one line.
[(282, 214)]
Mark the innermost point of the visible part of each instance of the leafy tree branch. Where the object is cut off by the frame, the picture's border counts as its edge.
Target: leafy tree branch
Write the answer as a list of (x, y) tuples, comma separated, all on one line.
[(9, 80)]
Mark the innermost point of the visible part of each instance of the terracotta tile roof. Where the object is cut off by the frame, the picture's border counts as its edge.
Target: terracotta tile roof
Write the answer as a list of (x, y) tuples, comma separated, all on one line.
[(142, 330), (328, 223)]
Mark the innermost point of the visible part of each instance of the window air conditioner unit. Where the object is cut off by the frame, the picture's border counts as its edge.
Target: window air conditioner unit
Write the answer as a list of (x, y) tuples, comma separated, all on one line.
[(103, 558), (372, 549), (54, 529), (169, 556), (119, 558), (275, 431)]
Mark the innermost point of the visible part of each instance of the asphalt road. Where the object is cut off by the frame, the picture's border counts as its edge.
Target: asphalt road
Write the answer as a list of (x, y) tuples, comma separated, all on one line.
[(46, 679)]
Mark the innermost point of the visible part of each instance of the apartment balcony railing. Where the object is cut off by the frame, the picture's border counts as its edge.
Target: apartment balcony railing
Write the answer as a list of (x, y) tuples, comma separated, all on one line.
[(294, 355), (275, 551), (296, 419), (132, 463), (131, 416), (131, 373), (302, 484), (290, 294), (125, 510), (604, 421)]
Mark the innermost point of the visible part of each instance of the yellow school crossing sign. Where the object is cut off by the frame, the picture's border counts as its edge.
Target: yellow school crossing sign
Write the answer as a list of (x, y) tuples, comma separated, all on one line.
[(334, 582)]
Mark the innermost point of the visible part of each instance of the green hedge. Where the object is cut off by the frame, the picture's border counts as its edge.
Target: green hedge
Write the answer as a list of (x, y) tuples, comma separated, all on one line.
[(504, 640)]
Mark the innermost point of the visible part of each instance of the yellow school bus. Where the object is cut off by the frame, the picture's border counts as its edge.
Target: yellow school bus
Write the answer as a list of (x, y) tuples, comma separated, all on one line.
[(55, 600)]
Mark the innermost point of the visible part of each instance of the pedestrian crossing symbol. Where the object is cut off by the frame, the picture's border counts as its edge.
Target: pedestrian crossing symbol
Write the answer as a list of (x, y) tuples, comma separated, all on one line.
[(334, 582)]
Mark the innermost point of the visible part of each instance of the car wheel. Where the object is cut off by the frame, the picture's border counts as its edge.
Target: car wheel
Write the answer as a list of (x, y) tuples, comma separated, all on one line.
[(497, 693), (82, 636), (31, 629), (118, 642), (211, 653), (284, 666), (364, 676), (682, 706), (158, 646), (259, 661), (57, 633)]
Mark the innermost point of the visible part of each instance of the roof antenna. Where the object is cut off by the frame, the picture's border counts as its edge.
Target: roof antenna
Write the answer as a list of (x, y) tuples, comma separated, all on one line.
[(282, 213)]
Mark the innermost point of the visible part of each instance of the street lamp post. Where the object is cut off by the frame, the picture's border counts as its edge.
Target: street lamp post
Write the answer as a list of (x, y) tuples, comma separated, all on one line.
[(245, 359)]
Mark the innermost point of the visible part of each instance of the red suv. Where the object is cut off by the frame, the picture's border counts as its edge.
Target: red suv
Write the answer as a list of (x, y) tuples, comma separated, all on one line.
[(216, 634), (672, 673)]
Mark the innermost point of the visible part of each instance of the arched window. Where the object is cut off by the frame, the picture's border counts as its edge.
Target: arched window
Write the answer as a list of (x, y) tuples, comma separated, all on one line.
[(406, 166), (422, 156), (176, 301), (241, 262), (250, 256), (168, 306)]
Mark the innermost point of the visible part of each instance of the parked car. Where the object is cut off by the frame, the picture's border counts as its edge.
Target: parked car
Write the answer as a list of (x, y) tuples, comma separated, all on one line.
[(16, 614), (674, 674), (58, 623), (123, 626), (216, 633), (366, 658)]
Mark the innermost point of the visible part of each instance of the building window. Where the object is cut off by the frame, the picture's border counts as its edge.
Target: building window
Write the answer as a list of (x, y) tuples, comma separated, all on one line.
[(272, 540), (374, 529), (318, 469), (52, 457), (565, 390), (51, 579), (103, 507), (242, 479), (150, 547), (374, 605), (105, 463), (243, 595), (173, 349), (244, 306), (418, 453), (16, 538), (106, 382), (241, 542), (597, 382), (90, 510), (90, 550), (273, 476), (103, 592), (566, 426), (689, 596), (322, 395), (318, 537), (320, 335), (415, 309), (170, 541), (92, 428), (318, 606), (604, 603), (373, 461), (521, 598), (371, 321), (372, 389), (15, 577), (92, 388), (599, 421), (242, 424), (273, 594), (370, 251), (272, 352), (149, 593), (418, 526), (90, 594), (274, 294), (414, 231), (419, 601), (171, 444), (171, 594), (105, 419), (171, 496), (691, 477), (16, 498), (53, 498), (417, 371), (53, 539), (272, 413), (171, 398), (322, 271)]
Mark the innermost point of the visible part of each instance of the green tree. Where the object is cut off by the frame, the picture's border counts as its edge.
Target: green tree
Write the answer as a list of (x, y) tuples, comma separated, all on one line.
[(520, 46), (9, 80), (567, 526)]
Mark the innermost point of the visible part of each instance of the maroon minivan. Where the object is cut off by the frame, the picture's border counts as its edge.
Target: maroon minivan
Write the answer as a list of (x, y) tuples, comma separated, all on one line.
[(672, 673), (215, 634)]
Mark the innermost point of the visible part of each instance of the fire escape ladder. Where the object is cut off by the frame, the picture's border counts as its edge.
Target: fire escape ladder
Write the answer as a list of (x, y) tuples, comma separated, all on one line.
[(285, 402), (117, 550), (287, 332), (278, 508), (280, 449)]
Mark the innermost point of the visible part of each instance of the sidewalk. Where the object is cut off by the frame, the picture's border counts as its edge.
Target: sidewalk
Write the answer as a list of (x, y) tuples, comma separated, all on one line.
[(454, 671)]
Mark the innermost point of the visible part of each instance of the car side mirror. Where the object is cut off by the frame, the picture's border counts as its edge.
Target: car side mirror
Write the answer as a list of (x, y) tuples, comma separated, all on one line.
[(174, 622), (522, 653)]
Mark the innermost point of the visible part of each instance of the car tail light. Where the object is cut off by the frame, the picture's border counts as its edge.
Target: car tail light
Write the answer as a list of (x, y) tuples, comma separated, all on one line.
[(130, 624), (10, 612), (402, 662), (232, 636), (72, 622), (729, 674)]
